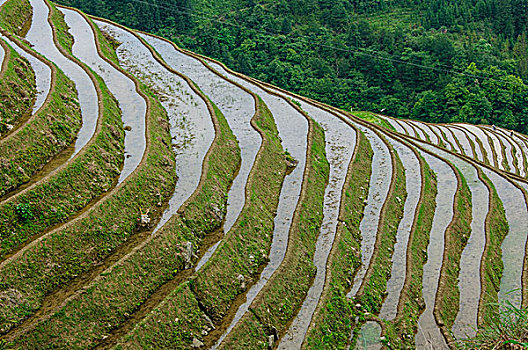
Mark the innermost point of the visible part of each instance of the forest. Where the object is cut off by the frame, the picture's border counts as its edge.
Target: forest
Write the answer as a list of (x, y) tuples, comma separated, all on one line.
[(433, 60)]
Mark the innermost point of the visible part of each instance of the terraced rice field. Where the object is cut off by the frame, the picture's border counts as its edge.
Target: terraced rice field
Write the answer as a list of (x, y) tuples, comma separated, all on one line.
[(154, 198)]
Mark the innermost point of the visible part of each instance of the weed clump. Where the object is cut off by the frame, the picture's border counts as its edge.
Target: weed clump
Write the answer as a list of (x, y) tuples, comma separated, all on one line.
[(505, 330)]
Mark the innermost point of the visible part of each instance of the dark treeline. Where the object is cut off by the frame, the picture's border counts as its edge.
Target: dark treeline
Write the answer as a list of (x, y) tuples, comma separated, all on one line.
[(399, 55)]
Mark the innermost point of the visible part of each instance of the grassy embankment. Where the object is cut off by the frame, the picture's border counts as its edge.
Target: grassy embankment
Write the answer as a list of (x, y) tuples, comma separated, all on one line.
[(373, 288), (506, 330), (447, 301), (400, 332), (64, 254), (188, 305), (17, 90), (501, 326), (15, 16), (373, 118), (60, 28), (47, 133), (280, 299), (332, 321), (110, 299), (87, 176), (491, 263)]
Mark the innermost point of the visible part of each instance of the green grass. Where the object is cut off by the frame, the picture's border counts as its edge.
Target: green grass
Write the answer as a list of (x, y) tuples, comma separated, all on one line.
[(172, 325), (17, 91), (505, 330), (332, 321), (15, 16), (373, 118), (457, 235), (107, 301), (78, 247), (283, 295), (400, 332), (250, 236), (51, 131), (372, 292), (71, 189), (216, 285), (64, 37)]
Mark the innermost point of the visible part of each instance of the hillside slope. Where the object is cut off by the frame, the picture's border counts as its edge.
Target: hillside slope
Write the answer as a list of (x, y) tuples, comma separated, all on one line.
[(201, 207)]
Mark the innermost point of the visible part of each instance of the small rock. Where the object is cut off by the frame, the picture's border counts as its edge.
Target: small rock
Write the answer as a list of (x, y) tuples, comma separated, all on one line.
[(209, 322), (145, 219), (128, 128), (291, 163), (242, 281), (271, 341), (196, 343), (188, 254)]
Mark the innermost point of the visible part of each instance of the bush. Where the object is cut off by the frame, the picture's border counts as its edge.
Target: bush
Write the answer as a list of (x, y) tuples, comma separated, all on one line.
[(23, 211)]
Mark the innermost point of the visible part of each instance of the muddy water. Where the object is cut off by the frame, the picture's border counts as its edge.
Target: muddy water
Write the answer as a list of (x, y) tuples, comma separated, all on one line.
[(508, 148), (340, 143), (497, 147), (524, 149), (513, 246), (237, 106), (438, 131), (413, 179), (464, 141), (378, 189), (428, 332), (451, 138), (480, 135), (132, 105), (191, 126), (429, 132), (395, 124), (2, 56), (516, 150), (473, 138), (408, 129), (520, 150), (418, 130), (42, 74), (293, 130), (469, 274), (40, 35), (369, 337)]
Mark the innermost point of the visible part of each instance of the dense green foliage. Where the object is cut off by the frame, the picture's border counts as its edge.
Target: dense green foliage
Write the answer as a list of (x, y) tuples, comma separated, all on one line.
[(365, 54)]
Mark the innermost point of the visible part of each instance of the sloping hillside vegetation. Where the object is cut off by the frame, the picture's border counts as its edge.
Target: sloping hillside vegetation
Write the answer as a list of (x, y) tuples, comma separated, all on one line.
[(163, 200)]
